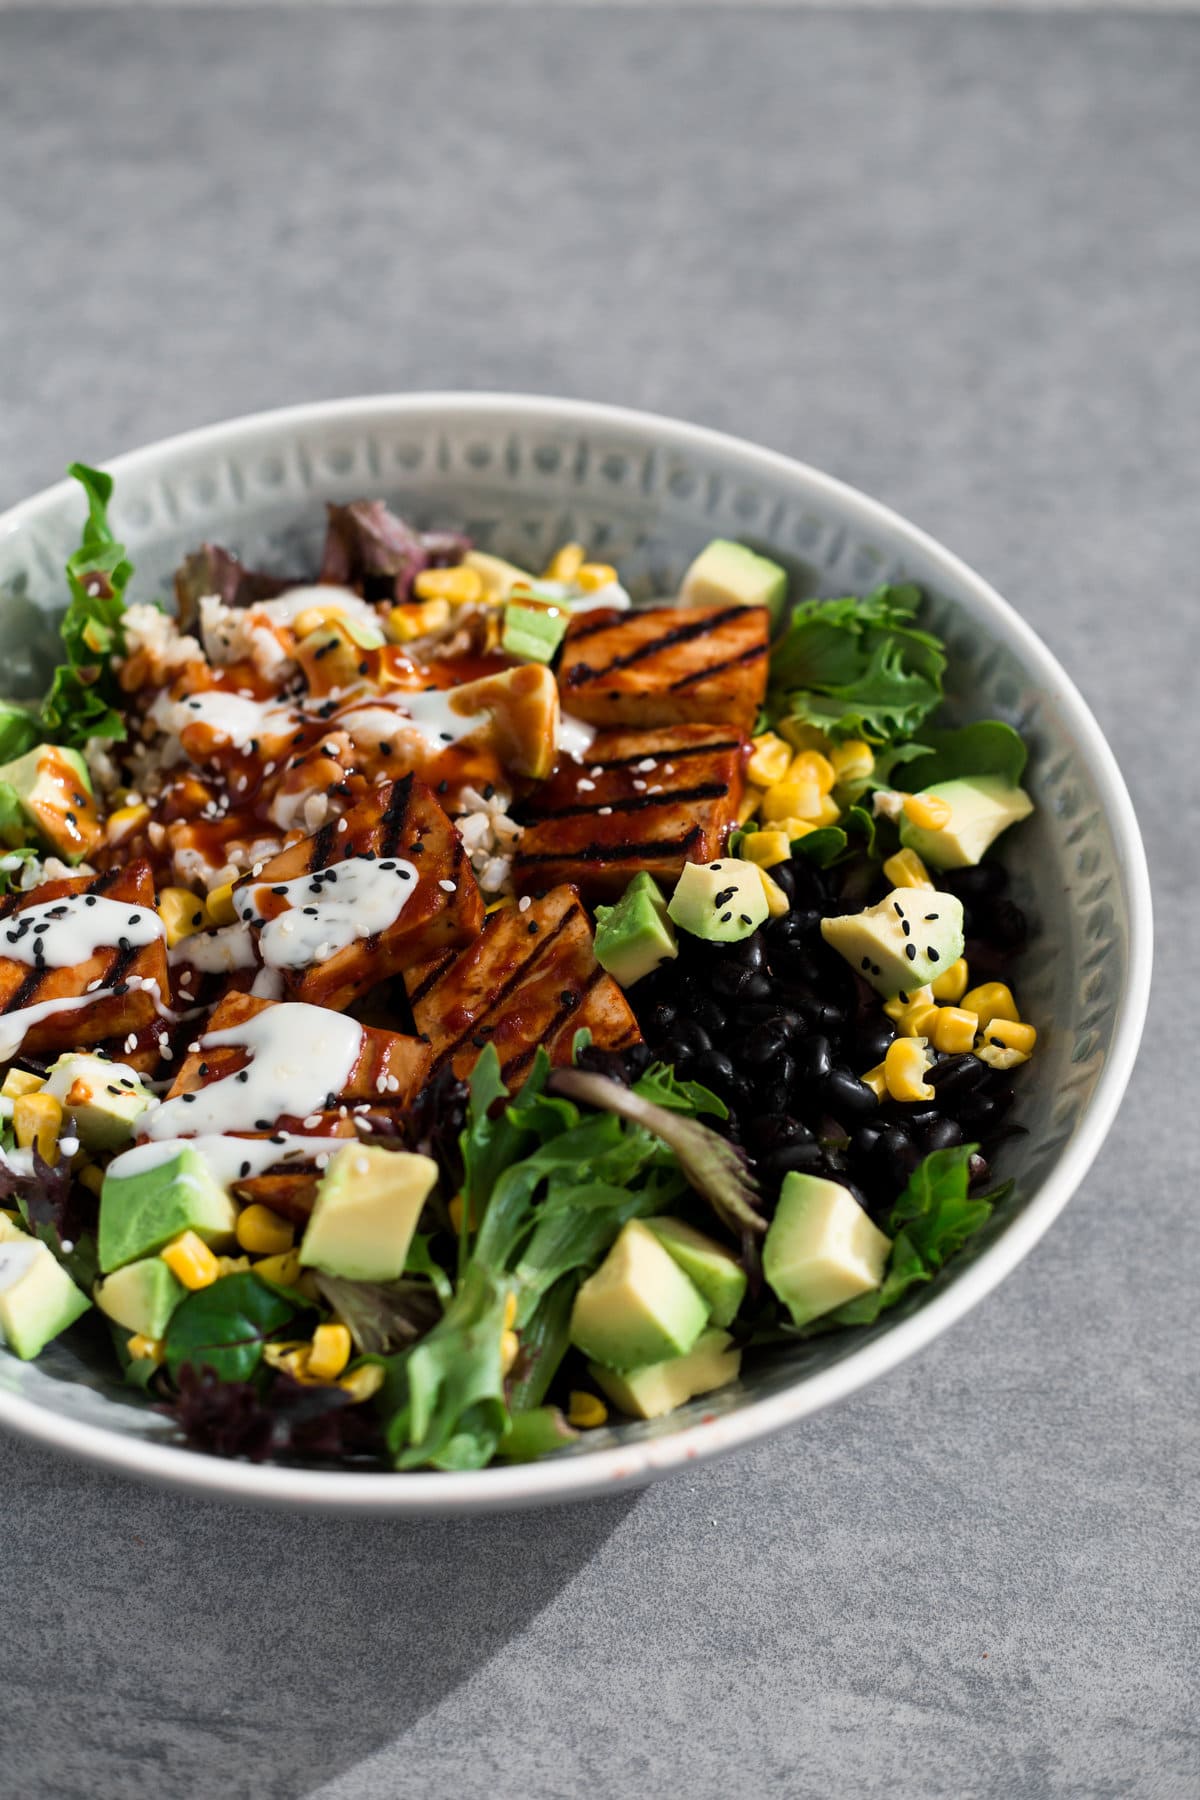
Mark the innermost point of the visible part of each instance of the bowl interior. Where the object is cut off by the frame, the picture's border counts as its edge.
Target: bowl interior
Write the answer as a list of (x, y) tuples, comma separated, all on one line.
[(522, 477)]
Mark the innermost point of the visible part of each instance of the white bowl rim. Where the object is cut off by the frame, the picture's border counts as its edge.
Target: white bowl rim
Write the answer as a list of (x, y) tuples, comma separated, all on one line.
[(591, 1474)]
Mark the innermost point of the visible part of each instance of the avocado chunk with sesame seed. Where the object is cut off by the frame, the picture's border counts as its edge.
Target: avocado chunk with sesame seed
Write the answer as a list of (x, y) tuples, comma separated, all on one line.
[(910, 938), (981, 807), (102, 1099), (722, 901), (366, 1211), (53, 789), (635, 935)]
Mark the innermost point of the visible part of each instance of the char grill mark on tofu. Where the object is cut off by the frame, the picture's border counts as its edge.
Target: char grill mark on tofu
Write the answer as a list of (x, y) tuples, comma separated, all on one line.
[(389, 823), (386, 1057), (111, 966), (648, 800), (666, 665), (531, 978)]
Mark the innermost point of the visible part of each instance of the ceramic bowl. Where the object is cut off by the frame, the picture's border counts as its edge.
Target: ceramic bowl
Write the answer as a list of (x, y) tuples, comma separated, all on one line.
[(522, 475)]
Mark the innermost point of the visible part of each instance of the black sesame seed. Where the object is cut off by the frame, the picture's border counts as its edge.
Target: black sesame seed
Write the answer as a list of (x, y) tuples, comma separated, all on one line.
[(932, 954), (188, 1097), (243, 1075), (244, 1170), (910, 950)]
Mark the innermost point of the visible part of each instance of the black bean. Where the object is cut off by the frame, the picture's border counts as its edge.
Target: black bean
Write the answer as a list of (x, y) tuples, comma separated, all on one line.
[(845, 1095), (802, 1159), (871, 1039), (813, 1060), (686, 1038), (980, 883), (784, 876), (769, 1131), (943, 1135), (763, 1043), (715, 1070), (756, 988)]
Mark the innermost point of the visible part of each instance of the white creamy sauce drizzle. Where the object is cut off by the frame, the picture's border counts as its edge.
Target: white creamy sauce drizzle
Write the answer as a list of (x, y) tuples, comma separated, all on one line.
[(613, 596), (436, 719), (328, 909), (285, 609), (574, 735), (298, 1055), (229, 716), (58, 934), (230, 1158), (216, 952)]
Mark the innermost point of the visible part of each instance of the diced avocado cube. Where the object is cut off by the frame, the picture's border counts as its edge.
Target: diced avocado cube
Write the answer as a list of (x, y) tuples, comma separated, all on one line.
[(533, 632), (104, 1099), (366, 1211), (727, 574), (660, 1387), (639, 1307), (634, 936), (723, 901), (141, 1296), (719, 1278), (54, 791), (38, 1299), (909, 939), (154, 1192), (981, 807), (821, 1249)]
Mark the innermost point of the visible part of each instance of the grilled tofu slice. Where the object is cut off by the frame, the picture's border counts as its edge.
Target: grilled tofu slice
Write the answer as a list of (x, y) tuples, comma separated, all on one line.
[(395, 849), (531, 978), (390, 1072), (648, 800), (129, 977), (666, 665)]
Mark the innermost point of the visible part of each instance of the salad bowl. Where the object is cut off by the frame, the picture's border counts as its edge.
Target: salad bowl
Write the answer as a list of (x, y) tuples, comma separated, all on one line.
[(521, 475)]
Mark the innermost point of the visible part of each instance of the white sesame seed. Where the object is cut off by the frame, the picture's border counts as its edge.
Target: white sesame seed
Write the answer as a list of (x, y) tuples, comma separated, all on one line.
[(312, 1121), (598, 770), (524, 903), (604, 810), (342, 825), (393, 1084), (447, 887), (381, 1085), (639, 787), (646, 765)]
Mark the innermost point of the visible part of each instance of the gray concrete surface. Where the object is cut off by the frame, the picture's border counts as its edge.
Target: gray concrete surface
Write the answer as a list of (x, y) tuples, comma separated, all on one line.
[(956, 261)]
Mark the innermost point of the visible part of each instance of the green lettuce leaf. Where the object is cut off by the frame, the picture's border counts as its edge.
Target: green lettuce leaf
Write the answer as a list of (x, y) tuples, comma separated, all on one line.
[(989, 747), (662, 1085), (19, 730), (444, 1399), (223, 1327), (84, 698), (858, 667)]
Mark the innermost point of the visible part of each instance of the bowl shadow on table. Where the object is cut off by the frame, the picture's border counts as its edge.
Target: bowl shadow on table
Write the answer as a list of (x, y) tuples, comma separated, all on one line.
[(161, 1644)]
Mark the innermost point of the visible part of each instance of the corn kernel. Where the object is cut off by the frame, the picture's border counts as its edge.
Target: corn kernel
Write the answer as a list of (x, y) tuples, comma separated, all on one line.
[(791, 800), (220, 905), (191, 1261), (91, 1176), (876, 1080), (417, 618), (510, 1312), (766, 848), (283, 1269), (777, 901), (331, 1347), (145, 1349), (900, 1003), (122, 823), (566, 562), (770, 759), (455, 1209), (810, 765), (290, 1358), (510, 1349), (928, 812), (362, 1383), (233, 1265), (828, 813), (37, 1121), (749, 804), (461, 587), (991, 1001), (181, 912), (315, 618), (917, 1019), (20, 1081), (904, 1069), (951, 984), (795, 828), (852, 761), (499, 905), (263, 1233), (1007, 1042), (954, 1030), (906, 869), (586, 1410), (591, 577)]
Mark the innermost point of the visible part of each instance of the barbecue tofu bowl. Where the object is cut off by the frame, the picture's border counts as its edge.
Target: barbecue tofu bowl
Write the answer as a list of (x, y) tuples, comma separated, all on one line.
[(536, 943)]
